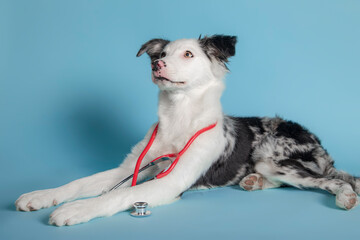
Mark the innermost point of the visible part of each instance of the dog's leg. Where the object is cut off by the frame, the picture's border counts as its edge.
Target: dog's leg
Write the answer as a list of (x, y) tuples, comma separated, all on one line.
[(155, 192), (346, 198), (333, 173), (256, 181), (307, 165), (85, 187)]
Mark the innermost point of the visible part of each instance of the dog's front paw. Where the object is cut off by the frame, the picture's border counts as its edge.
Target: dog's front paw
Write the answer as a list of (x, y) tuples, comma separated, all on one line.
[(74, 213), (36, 200)]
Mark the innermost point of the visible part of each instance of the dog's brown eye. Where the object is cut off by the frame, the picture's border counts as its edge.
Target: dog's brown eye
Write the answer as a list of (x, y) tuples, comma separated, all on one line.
[(188, 54), (163, 54)]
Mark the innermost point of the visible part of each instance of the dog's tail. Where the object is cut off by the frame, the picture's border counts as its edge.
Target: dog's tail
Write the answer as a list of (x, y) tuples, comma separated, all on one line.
[(334, 173)]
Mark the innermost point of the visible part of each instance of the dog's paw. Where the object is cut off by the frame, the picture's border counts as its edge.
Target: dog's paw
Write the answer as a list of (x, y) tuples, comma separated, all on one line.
[(74, 213), (346, 199), (252, 182), (36, 200)]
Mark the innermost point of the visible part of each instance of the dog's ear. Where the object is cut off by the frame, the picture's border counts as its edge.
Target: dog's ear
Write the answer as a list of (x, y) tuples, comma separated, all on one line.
[(153, 48), (221, 47)]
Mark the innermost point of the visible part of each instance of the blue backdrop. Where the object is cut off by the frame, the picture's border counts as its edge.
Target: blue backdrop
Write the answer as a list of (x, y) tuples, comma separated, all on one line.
[(74, 99)]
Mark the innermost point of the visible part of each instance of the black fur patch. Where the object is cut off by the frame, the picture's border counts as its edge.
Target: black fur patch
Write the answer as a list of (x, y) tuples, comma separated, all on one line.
[(307, 156), (225, 169), (295, 131), (302, 171), (220, 47), (255, 122)]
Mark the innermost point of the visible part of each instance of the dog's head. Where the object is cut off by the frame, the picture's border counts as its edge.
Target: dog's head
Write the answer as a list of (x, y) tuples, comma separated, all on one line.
[(188, 63)]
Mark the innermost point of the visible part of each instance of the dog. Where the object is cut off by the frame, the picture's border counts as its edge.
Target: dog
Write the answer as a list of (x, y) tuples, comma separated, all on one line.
[(252, 152)]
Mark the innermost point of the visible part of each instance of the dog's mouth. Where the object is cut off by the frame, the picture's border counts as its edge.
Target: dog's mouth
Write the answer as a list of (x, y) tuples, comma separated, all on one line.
[(167, 80)]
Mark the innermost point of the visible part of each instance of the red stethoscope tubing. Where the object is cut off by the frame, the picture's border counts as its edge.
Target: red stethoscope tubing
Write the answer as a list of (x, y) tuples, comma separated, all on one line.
[(177, 155)]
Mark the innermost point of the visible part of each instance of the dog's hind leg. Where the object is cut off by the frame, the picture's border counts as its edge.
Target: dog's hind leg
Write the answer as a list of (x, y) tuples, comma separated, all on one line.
[(303, 163), (333, 173), (292, 174), (256, 181)]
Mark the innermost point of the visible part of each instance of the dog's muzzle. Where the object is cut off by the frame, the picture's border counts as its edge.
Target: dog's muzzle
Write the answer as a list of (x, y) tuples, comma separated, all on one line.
[(160, 72)]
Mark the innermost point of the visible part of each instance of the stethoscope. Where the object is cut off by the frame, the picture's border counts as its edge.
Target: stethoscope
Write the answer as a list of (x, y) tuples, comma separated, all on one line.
[(140, 207)]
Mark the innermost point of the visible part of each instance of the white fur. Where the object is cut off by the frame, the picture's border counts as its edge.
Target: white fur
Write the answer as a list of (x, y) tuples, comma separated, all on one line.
[(183, 110)]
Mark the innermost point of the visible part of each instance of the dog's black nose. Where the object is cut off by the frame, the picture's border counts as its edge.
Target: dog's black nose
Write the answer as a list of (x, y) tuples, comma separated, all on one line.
[(154, 65), (157, 65)]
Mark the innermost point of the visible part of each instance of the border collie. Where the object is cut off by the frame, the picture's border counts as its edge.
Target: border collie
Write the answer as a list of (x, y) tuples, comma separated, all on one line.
[(255, 153)]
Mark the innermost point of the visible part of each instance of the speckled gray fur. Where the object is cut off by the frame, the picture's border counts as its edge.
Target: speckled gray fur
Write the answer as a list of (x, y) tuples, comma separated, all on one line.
[(283, 152)]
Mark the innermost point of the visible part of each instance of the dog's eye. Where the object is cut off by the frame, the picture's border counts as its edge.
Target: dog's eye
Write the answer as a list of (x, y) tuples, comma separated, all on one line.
[(163, 54), (188, 54)]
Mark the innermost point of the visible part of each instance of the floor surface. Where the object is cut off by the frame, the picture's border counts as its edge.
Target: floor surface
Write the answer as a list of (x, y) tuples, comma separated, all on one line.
[(227, 213)]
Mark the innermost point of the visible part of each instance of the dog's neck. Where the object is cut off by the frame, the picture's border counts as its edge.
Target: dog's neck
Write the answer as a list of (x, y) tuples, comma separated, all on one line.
[(191, 110)]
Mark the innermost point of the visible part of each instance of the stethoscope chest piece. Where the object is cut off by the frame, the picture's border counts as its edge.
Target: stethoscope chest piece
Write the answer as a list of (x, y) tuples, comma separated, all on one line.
[(140, 210)]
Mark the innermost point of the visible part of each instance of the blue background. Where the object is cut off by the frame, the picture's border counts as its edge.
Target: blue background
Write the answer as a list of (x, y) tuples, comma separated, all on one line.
[(74, 99)]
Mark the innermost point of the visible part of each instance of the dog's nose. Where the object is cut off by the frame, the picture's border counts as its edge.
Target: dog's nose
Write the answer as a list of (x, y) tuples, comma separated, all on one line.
[(157, 65)]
